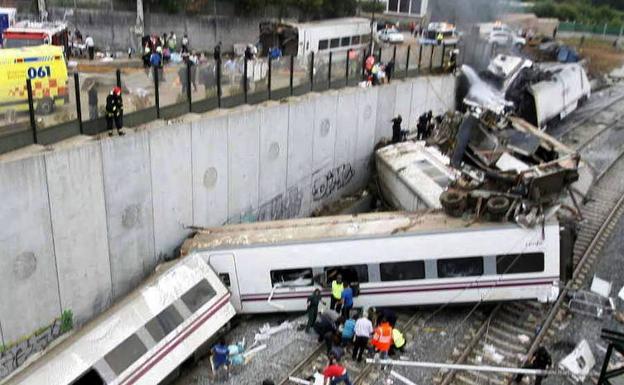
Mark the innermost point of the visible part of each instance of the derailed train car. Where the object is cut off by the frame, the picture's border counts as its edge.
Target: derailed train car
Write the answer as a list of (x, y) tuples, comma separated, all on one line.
[(142, 339), (539, 93), (394, 259)]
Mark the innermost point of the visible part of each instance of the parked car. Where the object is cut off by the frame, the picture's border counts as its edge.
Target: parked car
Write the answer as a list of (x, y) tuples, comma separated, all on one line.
[(391, 35), (506, 38)]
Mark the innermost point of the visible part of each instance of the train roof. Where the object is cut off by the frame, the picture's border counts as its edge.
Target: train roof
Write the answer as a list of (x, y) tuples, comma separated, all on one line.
[(329, 228)]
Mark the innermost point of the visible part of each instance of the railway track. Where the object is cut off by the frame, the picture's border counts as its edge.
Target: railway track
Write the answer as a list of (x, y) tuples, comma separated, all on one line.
[(360, 373), (513, 331)]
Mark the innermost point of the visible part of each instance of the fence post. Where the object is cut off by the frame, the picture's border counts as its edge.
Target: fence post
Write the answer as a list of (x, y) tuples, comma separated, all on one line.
[(364, 62), (245, 85), (31, 110), (604, 31), (394, 54), (219, 91), (78, 106), (409, 49), (270, 77), (292, 70), (443, 53), (118, 73), (420, 57), (312, 71), (347, 68), (379, 55), (156, 92), (329, 71), (189, 94)]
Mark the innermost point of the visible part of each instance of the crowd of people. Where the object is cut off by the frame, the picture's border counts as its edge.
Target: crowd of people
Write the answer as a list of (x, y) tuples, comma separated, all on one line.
[(370, 331)]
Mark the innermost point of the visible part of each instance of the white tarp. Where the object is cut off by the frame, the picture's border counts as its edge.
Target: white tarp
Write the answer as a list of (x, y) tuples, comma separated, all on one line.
[(579, 363)]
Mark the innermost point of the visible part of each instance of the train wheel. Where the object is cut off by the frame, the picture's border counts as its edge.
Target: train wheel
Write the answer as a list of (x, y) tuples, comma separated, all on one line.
[(453, 202), (498, 206)]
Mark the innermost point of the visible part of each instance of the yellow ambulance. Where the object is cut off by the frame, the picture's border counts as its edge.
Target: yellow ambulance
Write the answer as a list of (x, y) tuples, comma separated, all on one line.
[(45, 66)]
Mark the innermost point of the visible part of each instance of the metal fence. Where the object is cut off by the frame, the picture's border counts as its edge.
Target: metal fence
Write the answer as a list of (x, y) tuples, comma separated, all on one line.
[(598, 29), (177, 89)]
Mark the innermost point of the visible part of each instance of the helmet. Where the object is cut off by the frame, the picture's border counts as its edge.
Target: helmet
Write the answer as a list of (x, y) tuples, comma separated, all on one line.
[(117, 91)]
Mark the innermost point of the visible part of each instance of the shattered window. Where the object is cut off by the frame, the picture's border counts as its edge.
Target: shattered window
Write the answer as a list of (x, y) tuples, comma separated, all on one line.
[(164, 323), (199, 295), (292, 277), (351, 273), (124, 355), (520, 263), (225, 278), (402, 271), (460, 267)]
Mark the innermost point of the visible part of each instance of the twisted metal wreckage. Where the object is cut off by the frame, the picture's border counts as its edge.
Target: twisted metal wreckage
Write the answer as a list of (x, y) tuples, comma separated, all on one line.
[(488, 161)]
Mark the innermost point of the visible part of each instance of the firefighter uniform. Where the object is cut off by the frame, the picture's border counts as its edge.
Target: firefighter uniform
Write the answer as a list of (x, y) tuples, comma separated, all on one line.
[(114, 111)]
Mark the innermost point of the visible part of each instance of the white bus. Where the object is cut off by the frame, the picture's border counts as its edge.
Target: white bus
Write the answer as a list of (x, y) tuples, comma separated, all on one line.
[(300, 39)]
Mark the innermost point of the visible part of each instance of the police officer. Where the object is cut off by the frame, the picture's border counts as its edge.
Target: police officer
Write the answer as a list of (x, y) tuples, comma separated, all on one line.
[(114, 111)]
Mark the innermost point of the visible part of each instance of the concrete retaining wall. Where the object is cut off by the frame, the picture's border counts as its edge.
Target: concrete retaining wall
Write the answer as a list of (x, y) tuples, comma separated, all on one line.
[(85, 223)]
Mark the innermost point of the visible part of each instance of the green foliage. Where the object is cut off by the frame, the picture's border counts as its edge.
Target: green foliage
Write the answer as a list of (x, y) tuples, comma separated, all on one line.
[(312, 9), (582, 11), (371, 6), (67, 321)]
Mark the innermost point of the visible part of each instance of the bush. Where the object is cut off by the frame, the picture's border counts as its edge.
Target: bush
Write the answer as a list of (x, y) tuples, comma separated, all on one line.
[(371, 6), (67, 321)]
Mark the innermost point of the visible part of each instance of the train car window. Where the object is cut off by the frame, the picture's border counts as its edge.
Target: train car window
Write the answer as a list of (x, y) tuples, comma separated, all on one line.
[(334, 43), (199, 295), (225, 278), (124, 355), (460, 267), (164, 323), (351, 273), (292, 277), (365, 39), (323, 44), (345, 41), (355, 40), (520, 263), (402, 271), (92, 377)]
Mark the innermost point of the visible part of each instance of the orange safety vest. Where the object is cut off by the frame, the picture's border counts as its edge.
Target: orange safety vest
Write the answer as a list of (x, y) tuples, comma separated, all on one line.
[(382, 339)]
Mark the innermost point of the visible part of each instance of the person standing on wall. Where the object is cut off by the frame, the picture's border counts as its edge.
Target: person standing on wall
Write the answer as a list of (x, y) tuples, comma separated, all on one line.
[(396, 129), (114, 111), (336, 288), (90, 44)]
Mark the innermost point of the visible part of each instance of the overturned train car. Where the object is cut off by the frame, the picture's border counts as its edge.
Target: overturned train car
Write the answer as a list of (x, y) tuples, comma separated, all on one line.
[(393, 259), (144, 338)]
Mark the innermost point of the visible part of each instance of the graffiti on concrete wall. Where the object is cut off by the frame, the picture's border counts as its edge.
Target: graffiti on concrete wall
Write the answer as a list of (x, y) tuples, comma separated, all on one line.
[(282, 206), (333, 180), (14, 356)]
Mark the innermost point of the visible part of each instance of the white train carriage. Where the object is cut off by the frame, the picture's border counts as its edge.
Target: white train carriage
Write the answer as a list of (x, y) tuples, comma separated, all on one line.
[(145, 337), (396, 259)]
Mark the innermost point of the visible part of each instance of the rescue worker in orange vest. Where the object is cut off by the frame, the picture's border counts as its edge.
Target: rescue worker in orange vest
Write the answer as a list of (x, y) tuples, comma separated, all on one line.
[(382, 339)]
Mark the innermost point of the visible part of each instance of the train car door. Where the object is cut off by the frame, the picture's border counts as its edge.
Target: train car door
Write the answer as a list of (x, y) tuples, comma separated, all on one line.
[(225, 267)]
